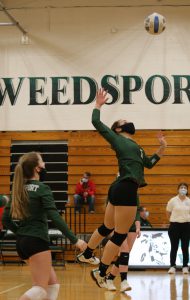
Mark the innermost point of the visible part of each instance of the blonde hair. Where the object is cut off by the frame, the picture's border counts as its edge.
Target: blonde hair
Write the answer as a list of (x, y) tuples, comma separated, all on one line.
[(23, 172)]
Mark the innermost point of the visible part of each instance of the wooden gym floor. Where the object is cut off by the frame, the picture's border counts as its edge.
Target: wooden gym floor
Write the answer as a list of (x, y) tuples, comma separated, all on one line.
[(76, 284)]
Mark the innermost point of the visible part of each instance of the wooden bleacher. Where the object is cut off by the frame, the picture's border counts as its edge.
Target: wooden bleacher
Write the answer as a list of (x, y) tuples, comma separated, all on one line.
[(88, 151)]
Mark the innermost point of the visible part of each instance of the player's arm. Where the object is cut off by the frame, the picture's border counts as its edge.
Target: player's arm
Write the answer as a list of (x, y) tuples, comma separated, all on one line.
[(150, 162), (53, 214), (105, 131), (163, 144)]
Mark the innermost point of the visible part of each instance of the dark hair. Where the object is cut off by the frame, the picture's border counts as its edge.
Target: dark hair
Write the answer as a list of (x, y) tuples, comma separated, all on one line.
[(87, 174), (140, 208), (182, 183), (115, 125)]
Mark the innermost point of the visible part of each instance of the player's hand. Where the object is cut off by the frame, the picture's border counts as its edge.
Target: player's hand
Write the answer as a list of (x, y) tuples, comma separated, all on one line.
[(82, 245), (161, 139), (101, 97)]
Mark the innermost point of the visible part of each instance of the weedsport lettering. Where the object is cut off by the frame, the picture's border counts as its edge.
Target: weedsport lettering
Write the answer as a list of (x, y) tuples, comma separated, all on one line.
[(57, 90)]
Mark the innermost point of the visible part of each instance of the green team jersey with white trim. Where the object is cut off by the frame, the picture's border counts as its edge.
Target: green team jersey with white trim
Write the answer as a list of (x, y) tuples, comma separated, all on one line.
[(131, 157), (41, 208)]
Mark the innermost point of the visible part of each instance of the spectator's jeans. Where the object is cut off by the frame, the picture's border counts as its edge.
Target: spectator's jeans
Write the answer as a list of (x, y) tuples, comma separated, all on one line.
[(79, 201), (177, 232)]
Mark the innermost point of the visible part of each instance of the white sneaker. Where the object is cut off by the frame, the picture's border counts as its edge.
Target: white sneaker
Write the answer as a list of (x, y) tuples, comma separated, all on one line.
[(110, 285), (172, 270), (125, 286), (93, 260), (185, 270), (100, 281)]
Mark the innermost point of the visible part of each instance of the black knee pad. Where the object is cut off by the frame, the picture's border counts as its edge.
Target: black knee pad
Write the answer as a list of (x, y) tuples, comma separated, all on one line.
[(104, 231), (124, 258), (118, 238)]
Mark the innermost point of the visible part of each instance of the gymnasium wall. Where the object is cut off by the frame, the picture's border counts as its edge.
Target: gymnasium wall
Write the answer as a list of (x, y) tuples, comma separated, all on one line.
[(74, 47), (88, 151)]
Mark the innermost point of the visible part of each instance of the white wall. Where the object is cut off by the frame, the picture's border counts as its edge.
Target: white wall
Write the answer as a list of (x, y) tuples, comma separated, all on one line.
[(79, 41)]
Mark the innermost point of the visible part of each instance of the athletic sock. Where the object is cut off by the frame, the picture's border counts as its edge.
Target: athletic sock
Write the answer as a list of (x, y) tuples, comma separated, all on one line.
[(88, 253), (103, 268), (123, 276)]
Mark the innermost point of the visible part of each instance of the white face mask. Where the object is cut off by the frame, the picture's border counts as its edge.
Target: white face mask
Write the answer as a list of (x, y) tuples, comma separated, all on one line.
[(84, 179), (183, 191), (146, 214)]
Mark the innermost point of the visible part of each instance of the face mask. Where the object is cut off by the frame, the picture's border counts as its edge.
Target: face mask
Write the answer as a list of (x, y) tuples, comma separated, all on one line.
[(84, 179), (146, 214), (42, 174), (183, 191), (128, 127)]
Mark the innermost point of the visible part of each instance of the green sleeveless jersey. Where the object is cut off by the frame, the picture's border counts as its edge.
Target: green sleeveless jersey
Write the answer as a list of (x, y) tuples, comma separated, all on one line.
[(131, 157), (41, 208)]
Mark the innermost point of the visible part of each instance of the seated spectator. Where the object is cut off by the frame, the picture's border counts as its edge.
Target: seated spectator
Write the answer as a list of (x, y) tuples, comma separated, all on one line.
[(85, 193), (143, 217), (3, 201)]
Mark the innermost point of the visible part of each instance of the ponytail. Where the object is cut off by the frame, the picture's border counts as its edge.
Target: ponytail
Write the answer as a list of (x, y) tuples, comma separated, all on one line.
[(19, 195), (23, 172)]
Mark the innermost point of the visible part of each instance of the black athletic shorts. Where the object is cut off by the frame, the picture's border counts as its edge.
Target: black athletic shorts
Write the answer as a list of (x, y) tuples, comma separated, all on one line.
[(28, 245), (123, 193)]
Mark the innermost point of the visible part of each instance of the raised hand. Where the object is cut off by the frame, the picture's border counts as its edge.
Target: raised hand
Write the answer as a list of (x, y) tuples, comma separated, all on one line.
[(161, 139), (163, 143), (101, 97)]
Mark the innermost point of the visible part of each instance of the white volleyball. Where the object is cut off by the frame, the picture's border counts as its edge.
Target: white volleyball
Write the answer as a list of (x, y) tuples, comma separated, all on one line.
[(155, 23)]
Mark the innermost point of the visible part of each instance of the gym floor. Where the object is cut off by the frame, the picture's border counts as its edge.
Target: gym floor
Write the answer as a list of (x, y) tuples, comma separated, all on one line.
[(77, 284)]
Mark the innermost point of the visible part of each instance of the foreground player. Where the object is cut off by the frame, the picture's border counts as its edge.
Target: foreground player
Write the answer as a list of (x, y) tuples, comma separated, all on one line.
[(121, 209), (32, 204)]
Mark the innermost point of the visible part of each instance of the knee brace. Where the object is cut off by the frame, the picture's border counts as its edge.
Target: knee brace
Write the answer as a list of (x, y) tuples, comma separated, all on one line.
[(53, 291), (118, 238), (104, 231), (36, 293), (124, 258)]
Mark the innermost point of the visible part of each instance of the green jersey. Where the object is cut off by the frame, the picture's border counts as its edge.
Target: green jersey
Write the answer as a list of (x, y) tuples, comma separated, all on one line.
[(131, 157), (41, 208)]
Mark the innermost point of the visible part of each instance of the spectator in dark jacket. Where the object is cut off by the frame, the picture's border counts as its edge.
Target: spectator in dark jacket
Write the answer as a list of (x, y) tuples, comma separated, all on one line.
[(144, 213), (85, 193)]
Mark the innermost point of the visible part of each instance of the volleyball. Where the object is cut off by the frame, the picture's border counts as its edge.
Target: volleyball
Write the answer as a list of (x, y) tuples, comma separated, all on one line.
[(155, 23)]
